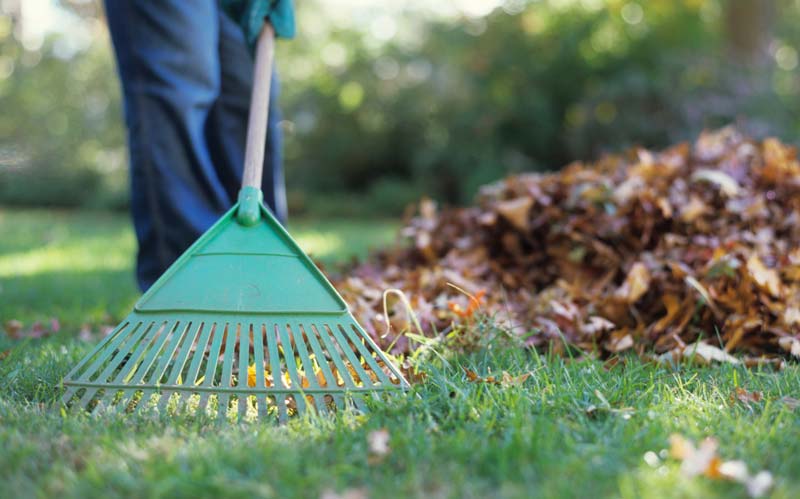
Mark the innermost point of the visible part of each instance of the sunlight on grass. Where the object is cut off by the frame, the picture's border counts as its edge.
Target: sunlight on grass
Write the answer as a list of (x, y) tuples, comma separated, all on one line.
[(98, 253), (333, 241), (78, 266), (38, 241), (320, 244)]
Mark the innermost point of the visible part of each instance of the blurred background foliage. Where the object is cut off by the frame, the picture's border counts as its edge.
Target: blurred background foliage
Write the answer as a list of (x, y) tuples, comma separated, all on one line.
[(385, 103)]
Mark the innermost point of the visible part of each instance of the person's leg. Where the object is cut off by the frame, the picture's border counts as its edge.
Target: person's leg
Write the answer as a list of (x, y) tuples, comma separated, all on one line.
[(168, 61), (227, 128)]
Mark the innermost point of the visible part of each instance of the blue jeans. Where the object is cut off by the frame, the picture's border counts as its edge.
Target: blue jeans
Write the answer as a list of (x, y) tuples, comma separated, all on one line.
[(186, 78)]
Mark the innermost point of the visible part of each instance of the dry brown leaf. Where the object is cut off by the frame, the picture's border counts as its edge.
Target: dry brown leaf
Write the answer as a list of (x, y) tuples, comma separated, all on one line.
[(427, 208), (516, 211), (790, 344), (636, 284), (85, 333), (620, 340), (413, 375), (791, 316), (680, 447), (472, 376), (13, 328), (378, 442), (673, 306), (709, 353), (699, 352), (700, 460), (765, 278), (693, 210), (697, 285), (727, 184), (746, 397), (703, 460), (505, 379), (597, 325), (509, 380), (790, 402), (251, 376), (345, 494), (424, 245)]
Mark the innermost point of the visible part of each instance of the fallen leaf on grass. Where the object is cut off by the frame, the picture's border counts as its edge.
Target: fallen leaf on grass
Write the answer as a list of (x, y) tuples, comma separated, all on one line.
[(4, 354), (13, 328), (412, 373), (759, 484), (699, 352), (790, 402), (345, 494), (704, 460), (709, 353), (252, 379), (509, 380), (700, 460), (472, 376), (619, 341), (613, 362), (746, 397), (85, 334), (37, 331), (505, 379), (473, 306), (378, 442)]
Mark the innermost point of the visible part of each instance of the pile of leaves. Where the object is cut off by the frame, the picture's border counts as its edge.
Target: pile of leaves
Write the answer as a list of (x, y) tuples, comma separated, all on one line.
[(696, 246)]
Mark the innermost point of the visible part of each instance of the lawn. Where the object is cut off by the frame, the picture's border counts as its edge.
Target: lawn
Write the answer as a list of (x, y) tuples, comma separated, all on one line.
[(574, 428)]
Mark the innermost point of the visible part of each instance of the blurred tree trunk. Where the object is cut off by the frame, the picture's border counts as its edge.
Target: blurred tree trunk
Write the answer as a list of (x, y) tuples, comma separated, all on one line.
[(748, 29)]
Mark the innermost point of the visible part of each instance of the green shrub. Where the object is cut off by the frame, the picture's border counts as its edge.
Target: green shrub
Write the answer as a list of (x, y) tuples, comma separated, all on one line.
[(532, 90)]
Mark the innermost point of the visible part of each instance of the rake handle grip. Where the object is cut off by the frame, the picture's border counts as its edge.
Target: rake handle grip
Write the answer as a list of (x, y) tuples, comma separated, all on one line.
[(259, 108)]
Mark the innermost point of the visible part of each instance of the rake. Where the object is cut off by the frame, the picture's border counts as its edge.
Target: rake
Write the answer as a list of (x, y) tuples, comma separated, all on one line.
[(242, 324)]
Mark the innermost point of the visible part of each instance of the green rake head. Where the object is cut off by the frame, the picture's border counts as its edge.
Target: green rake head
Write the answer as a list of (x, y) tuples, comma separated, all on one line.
[(242, 319)]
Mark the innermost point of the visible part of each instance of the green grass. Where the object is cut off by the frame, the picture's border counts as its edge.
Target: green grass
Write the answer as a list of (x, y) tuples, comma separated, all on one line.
[(553, 436)]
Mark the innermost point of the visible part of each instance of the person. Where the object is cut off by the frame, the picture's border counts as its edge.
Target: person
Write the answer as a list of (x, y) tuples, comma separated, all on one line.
[(186, 70)]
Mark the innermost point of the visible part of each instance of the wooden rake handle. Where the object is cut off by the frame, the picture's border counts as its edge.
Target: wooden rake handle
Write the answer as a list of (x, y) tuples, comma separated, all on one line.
[(259, 108)]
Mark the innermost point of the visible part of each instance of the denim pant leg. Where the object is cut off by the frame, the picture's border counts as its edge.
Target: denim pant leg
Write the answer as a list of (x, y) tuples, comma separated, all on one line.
[(185, 144)]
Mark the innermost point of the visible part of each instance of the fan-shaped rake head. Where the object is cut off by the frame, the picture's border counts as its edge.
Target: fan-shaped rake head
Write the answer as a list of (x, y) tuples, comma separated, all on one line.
[(243, 317), (270, 368)]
